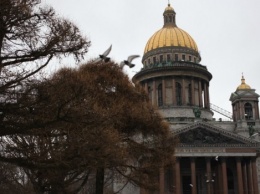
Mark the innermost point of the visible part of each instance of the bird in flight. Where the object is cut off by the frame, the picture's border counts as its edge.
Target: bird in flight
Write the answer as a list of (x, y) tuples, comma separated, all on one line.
[(128, 62), (104, 56)]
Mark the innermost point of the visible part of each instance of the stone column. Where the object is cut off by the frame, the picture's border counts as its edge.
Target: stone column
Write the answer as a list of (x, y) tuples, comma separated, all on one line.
[(257, 110), (220, 180), (161, 181), (154, 94), (173, 184), (178, 176), (234, 114), (200, 94), (173, 92), (224, 175), (239, 176), (209, 178), (208, 99), (254, 175), (192, 92), (146, 87), (245, 178), (193, 176), (163, 91), (184, 102), (205, 95), (250, 178), (240, 111)]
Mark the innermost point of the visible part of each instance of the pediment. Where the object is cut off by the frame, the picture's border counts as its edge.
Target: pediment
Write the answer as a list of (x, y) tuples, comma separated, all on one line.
[(202, 133), (204, 136)]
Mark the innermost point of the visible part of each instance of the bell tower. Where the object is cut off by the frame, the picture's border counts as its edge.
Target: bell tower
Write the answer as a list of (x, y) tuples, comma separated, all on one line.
[(245, 108)]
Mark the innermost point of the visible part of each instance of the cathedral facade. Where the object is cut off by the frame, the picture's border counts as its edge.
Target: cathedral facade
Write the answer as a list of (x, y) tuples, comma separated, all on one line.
[(212, 157)]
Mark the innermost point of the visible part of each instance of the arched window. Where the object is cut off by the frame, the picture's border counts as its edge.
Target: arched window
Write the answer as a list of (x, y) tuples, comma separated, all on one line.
[(189, 95), (160, 95), (154, 60), (178, 93), (168, 57), (176, 58), (248, 111)]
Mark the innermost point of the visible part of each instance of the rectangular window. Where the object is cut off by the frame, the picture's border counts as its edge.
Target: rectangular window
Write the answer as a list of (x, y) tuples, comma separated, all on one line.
[(183, 57), (189, 58)]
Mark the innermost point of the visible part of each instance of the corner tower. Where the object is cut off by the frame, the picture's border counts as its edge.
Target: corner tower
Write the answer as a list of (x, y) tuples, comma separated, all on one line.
[(172, 76), (245, 108)]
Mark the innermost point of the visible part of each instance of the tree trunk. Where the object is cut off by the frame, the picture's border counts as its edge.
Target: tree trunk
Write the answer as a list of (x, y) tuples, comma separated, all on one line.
[(100, 180)]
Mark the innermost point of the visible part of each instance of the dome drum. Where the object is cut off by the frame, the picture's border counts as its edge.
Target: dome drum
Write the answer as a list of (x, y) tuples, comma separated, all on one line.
[(182, 89), (170, 54)]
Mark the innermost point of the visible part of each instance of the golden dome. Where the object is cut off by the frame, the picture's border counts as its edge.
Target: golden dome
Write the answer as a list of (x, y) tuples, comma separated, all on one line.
[(243, 85), (170, 36)]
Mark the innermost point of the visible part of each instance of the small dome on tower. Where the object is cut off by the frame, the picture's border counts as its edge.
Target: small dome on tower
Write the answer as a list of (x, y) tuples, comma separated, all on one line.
[(169, 8), (243, 85)]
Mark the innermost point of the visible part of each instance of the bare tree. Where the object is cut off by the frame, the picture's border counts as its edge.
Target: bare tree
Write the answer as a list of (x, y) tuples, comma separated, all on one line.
[(14, 180), (89, 122), (30, 37)]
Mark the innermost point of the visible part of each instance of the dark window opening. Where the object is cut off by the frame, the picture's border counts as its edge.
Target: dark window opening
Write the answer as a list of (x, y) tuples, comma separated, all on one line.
[(150, 93), (161, 58), (160, 95), (183, 57), (168, 57), (176, 57), (248, 111), (189, 95), (154, 60), (178, 93)]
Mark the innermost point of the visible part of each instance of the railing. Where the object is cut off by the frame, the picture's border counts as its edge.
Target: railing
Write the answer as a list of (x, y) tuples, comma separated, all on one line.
[(221, 111), (175, 64)]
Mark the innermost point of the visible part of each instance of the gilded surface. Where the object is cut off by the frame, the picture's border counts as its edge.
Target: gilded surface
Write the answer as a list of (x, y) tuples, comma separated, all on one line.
[(170, 36), (243, 85)]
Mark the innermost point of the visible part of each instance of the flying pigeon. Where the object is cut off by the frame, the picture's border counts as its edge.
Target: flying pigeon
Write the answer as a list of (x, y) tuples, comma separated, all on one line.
[(216, 158), (128, 61), (191, 185), (104, 56)]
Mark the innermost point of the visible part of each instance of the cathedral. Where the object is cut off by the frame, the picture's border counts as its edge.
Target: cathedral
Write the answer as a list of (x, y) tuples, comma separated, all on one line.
[(213, 156)]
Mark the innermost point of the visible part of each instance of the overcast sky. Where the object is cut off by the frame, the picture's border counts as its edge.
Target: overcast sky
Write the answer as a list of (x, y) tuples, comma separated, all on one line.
[(227, 33)]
